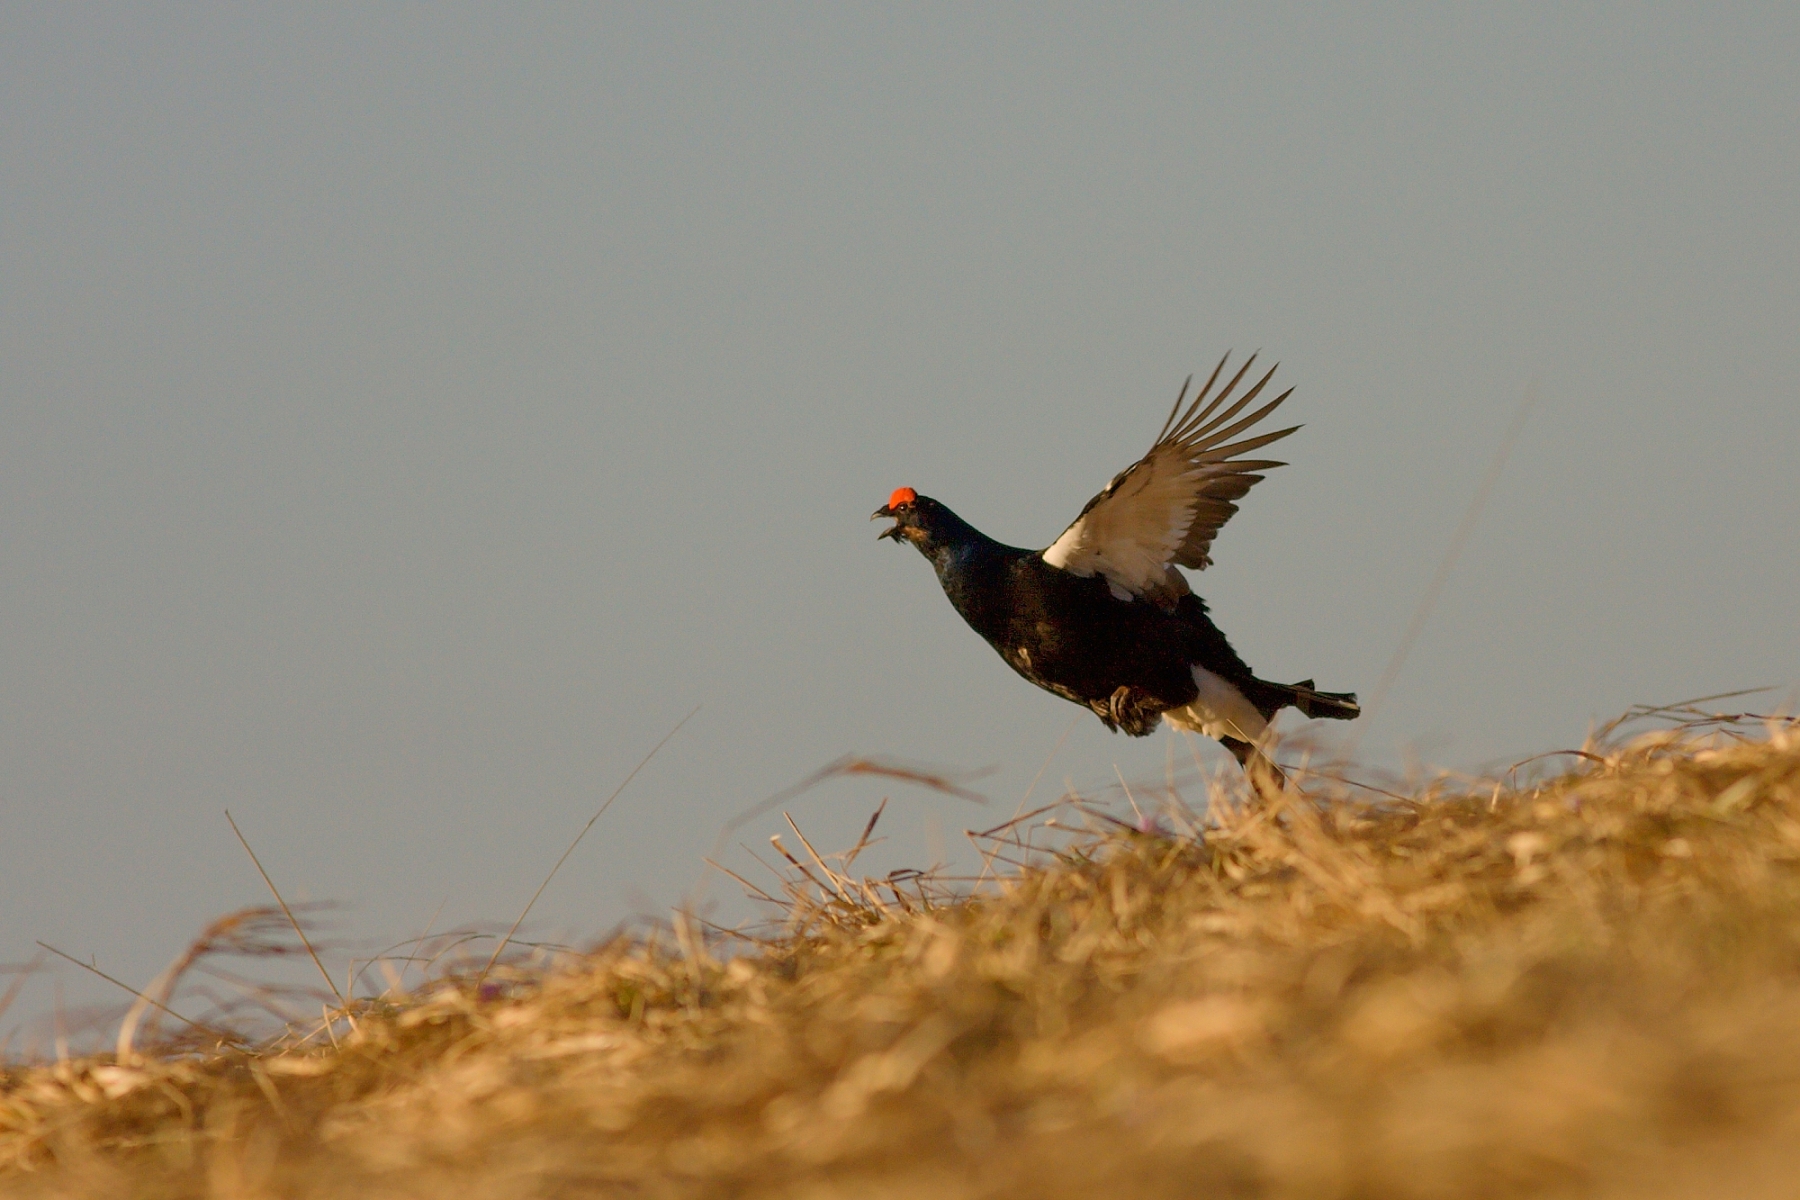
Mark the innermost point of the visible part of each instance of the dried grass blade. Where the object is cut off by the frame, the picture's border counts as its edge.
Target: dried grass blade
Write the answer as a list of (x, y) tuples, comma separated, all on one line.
[(288, 912), (642, 763)]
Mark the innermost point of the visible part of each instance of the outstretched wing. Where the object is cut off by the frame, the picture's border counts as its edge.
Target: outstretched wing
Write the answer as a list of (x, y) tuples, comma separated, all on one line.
[(1164, 510)]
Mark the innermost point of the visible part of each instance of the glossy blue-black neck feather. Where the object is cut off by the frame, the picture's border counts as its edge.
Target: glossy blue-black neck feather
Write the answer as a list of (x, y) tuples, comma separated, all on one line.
[(968, 562), (942, 536)]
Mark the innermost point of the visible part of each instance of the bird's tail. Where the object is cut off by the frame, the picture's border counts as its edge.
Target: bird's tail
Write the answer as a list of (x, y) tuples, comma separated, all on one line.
[(1312, 703)]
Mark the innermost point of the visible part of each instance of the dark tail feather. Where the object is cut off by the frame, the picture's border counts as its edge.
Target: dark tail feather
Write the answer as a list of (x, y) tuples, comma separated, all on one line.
[(1335, 706), (1312, 703)]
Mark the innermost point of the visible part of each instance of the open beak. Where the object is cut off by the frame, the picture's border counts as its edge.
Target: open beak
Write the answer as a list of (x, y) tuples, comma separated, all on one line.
[(892, 531)]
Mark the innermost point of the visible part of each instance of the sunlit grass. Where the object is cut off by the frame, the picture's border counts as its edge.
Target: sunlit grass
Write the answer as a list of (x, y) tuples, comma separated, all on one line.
[(1584, 985)]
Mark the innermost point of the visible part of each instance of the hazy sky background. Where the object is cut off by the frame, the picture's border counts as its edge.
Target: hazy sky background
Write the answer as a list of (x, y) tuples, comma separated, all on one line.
[(408, 413)]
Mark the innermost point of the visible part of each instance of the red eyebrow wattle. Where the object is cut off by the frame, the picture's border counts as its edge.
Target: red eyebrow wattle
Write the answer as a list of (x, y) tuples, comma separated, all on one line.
[(902, 496)]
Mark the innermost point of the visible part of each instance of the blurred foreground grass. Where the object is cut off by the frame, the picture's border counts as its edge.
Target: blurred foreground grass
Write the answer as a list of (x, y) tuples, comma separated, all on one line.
[(1586, 986)]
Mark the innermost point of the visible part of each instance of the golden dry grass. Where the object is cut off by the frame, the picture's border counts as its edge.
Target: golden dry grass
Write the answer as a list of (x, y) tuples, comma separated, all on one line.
[(1589, 986)]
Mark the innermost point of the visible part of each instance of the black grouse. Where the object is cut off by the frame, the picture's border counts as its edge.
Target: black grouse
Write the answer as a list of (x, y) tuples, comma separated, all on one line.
[(1102, 617)]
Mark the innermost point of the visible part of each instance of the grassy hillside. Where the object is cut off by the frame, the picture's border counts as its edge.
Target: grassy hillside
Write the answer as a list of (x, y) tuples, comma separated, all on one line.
[(1589, 986)]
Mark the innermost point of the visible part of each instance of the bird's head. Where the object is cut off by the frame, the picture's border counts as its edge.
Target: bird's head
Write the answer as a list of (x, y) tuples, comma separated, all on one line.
[(904, 509), (917, 519), (925, 523)]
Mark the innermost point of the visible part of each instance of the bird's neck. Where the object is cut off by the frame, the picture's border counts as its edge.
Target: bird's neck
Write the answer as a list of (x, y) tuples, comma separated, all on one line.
[(969, 564), (953, 545)]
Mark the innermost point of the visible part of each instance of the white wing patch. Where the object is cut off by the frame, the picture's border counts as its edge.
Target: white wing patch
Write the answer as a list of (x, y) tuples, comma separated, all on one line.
[(1164, 510)]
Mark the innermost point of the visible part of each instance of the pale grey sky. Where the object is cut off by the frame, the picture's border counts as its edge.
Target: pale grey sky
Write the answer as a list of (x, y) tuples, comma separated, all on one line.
[(408, 413)]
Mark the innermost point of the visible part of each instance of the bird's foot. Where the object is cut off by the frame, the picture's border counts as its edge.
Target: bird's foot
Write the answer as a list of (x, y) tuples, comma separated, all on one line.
[(1134, 710)]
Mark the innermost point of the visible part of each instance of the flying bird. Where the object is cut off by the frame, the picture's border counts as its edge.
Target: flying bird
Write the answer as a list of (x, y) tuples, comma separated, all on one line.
[(1102, 616)]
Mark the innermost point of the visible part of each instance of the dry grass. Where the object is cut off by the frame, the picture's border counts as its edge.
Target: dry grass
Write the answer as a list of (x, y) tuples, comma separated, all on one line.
[(1587, 986)]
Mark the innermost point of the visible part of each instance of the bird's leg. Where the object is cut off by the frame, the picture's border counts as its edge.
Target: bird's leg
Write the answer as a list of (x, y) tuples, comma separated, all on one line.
[(1265, 777), (1135, 710)]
